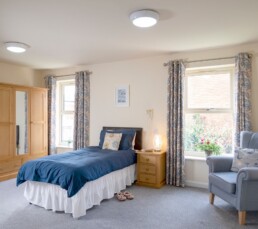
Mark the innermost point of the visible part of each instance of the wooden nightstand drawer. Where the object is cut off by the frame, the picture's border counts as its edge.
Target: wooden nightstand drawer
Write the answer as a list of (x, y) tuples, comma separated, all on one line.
[(147, 159), (147, 178), (150, 169)]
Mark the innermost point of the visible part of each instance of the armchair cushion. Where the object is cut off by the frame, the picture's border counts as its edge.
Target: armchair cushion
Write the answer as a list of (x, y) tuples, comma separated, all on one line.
[(244, 158), (224, 180)]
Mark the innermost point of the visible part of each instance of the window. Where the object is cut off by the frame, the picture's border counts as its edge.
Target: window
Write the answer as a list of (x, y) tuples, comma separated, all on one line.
[(208, 108), (65, 112)]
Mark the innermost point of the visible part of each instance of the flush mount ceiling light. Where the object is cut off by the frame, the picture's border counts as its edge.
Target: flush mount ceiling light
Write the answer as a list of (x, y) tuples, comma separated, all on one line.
[(16, 47), (144, 18)]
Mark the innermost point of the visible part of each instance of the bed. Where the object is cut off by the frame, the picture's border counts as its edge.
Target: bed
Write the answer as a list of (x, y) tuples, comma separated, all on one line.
[(108, 172)]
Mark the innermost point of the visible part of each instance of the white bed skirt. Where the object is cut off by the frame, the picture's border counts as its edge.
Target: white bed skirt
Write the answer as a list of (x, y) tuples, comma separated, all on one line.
[(53, 197)]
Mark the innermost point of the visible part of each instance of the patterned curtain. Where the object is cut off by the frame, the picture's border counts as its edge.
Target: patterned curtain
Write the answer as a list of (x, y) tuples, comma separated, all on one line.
[(175, 153), (82, 110), (50, 82), (242, 112)]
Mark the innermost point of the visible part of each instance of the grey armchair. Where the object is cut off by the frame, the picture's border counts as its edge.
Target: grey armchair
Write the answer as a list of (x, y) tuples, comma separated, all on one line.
[(237, 188)]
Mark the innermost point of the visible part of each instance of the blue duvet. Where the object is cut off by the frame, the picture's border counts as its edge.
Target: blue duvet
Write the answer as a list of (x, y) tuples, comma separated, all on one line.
[(72, 170)]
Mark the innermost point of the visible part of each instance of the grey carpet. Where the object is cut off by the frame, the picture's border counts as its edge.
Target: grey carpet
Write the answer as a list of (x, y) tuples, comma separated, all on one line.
[(168, 207)]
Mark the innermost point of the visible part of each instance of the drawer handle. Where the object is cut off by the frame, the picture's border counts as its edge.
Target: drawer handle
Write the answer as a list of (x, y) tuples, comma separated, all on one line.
[(147, 159), (147, 178), (147, 170)]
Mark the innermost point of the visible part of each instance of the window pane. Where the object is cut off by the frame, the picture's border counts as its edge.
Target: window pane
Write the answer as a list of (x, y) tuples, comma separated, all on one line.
[(69, 91), (213, 127), (68, 106), (69, 94), (209, 91), (67, 127)]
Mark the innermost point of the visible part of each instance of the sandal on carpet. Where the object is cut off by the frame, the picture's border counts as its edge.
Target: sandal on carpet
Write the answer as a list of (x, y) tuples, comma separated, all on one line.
[(128, 195), (120, 196)]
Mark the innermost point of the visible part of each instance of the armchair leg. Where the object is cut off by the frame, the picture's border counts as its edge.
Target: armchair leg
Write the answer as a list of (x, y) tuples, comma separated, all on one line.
[(212, 198), (241, 217)]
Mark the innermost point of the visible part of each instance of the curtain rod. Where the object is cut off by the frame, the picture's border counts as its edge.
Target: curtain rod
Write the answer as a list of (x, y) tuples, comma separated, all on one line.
[(68, 75), (193, 61), (64, 75)]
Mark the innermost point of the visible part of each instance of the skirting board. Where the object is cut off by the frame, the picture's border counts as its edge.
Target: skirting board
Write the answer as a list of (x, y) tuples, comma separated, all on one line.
[(196, 184)]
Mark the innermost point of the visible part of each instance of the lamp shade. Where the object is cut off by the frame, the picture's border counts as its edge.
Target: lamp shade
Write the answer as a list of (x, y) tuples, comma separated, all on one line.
[(16, 47), (157, 142), (144, 18)]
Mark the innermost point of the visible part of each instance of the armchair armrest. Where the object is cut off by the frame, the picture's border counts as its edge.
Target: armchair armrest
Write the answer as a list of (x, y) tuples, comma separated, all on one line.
[(219, 163), (248, 174), (246, 190)]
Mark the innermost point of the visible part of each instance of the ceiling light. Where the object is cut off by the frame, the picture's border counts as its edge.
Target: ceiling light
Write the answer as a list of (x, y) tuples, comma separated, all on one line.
[(144, 18), (16, 47)]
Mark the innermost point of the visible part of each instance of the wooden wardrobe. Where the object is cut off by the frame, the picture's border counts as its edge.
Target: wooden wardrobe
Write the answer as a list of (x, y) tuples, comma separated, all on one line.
[(23, 127)]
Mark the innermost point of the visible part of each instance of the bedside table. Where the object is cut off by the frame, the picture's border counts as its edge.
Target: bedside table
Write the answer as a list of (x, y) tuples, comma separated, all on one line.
[(151, 168)]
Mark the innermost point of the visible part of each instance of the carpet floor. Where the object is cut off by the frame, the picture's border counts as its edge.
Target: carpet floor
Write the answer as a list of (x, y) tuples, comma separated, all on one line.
[(165, 208)]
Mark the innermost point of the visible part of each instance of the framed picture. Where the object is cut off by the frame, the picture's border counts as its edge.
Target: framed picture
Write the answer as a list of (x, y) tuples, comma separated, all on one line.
[(122, 96)]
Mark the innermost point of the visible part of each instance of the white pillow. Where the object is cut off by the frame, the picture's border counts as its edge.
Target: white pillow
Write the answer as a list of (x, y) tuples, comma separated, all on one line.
[(112, 141), (244, 158)]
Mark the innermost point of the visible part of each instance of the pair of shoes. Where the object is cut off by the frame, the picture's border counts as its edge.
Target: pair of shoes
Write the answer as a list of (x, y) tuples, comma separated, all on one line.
[(120, 196), (128, 195)]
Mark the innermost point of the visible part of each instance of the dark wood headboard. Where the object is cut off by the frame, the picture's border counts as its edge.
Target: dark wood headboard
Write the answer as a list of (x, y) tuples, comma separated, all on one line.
[(138, 139)]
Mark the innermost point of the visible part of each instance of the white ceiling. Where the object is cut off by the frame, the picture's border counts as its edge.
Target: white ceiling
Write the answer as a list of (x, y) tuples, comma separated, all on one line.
[(65, 33)]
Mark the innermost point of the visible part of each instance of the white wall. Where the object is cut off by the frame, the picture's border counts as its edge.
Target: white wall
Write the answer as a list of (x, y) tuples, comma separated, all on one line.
[(148, 90), (147, 80), (16, 74)]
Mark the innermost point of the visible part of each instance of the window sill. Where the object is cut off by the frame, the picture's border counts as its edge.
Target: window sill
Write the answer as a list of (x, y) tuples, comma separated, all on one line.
[(64, 147), (195, 158), (204, 158)]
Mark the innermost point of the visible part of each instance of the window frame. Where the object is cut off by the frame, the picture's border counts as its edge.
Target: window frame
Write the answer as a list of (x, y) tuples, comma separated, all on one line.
[(60, 109), (197, 71)]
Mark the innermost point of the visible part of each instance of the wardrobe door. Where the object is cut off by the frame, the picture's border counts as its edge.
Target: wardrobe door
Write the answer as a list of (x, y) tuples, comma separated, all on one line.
[(38, 118), (6, 123)]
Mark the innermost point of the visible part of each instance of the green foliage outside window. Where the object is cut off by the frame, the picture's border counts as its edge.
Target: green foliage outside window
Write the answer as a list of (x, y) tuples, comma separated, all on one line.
[(201, 128)]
